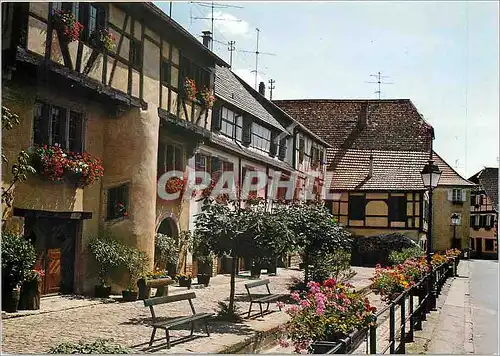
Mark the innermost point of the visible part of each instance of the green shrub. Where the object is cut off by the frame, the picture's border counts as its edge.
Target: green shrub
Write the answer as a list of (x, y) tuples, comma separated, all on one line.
[(335, 265), (398, 257), (100, 346), (166, 250), (18, 259), (225, 313), (106, 252), (135, 261)]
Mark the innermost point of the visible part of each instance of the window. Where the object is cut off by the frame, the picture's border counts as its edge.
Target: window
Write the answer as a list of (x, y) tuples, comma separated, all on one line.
[(357, 206), (472, 200), (397, 208), (488, 244), (231, 124), (200, 165), (117, 202), (136, 53), (170, 158), (261, 138), (301, 149), (456, 195), (191, 70), (56, 125), (476, 221), (91, 16), (165, 72)]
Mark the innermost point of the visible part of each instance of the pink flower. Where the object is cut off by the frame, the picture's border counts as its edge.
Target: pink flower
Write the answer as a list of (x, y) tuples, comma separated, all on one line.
[(280, 304), (295, 296), (284, 343), (293, 308), (305, 303)]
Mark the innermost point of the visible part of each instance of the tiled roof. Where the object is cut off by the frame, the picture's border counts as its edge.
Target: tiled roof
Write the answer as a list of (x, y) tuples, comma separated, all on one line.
[(229, 88), (488, 179), (393, 125), (392, 170), (449, 176)]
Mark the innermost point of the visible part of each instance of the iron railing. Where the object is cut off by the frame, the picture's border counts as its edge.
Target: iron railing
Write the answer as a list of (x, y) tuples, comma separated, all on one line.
[(406, 314)]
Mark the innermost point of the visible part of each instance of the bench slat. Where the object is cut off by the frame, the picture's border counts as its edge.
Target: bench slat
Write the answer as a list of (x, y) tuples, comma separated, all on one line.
[(181, 320), (169, 299), (256, 284), (268, 298)]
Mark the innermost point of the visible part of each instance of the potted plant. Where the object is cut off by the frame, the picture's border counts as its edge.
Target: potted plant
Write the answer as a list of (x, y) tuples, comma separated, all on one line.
[(106, 253), (67, 27), (207, 98), (102, 38), (166, 253), (135, 262), (184, 280), (205, 264), (328, 313), (158, 279), (31, 290), (18, 259), (256, 268), (190, 88)]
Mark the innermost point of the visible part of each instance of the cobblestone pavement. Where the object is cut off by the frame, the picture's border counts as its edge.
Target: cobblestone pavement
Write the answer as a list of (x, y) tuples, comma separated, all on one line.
[(63, 319)]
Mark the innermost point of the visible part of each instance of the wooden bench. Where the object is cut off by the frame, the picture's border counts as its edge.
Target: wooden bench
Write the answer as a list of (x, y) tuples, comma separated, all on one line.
[(266, 299), (166, 325)]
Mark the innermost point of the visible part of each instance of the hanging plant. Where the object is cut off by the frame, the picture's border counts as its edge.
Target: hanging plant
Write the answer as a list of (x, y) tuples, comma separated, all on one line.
[(174, 185), (207, 98), (190, 88), (67, 25), (56, 164), (102, 38)]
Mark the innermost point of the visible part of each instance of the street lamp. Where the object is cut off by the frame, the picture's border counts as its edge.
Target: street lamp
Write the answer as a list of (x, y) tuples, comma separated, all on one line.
[(455, 220), (430, 177)]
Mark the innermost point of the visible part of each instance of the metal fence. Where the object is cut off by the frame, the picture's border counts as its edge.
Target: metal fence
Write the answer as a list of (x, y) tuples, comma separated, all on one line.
[(405, 316)]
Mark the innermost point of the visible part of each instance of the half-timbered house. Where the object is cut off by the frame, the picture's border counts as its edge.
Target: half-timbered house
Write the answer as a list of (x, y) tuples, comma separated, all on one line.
[(112, 86), (484, 214)]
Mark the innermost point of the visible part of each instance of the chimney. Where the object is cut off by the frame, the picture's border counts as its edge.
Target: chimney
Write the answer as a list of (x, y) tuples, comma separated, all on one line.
[(207, 39), (370, 171), (262, 88), (362, 119)]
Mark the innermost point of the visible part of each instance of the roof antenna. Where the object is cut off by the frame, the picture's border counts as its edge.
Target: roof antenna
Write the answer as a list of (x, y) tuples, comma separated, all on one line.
[(378, 82), (271, 88), (257, 57)]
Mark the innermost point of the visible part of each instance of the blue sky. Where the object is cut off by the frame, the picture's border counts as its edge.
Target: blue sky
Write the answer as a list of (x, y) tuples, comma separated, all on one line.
[(441, 55)]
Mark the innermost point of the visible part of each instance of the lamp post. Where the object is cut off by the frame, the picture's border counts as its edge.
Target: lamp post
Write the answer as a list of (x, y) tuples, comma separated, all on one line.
[(455, 220), (430, 177)]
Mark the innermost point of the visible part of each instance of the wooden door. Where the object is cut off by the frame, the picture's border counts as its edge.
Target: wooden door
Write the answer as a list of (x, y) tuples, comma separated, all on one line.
[(53, 271), (54, 241), (479, 247)]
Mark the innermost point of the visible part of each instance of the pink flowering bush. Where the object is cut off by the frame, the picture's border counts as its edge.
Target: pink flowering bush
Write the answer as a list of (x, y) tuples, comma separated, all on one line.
[(326, 312)]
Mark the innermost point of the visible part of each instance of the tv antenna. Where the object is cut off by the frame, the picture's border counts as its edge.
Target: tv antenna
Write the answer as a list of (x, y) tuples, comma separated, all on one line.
[(256, 57), (379, 81), (231, 49), (271, 87), (212, 18)]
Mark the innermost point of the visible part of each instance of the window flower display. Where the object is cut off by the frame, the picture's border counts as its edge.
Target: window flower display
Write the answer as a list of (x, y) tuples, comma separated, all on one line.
[(66, 23)]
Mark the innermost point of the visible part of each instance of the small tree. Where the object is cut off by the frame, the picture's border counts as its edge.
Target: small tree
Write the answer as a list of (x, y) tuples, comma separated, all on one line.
[(166, 251), (18, 259), (135, 261), (316, 230), (106, 252)]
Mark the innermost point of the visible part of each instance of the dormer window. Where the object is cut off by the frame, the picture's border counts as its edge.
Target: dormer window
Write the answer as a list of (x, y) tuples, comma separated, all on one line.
[(231, 124), (261, 138)]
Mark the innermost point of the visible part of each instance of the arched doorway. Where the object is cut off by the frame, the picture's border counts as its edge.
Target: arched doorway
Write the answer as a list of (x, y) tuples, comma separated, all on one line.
[(168, 227)]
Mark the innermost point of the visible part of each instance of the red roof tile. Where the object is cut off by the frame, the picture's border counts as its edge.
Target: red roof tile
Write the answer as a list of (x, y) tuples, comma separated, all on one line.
[(393, 125), (449, 176)]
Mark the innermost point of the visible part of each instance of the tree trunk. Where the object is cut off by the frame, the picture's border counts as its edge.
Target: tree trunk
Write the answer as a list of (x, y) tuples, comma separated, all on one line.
[(234, 268)]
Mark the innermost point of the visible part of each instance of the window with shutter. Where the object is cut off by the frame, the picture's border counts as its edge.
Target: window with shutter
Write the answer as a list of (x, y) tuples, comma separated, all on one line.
[(301, 149), (57, 125), (247, 131), (487, 223), (216, 119), (357, 205), (282, 149), (397, 208)]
